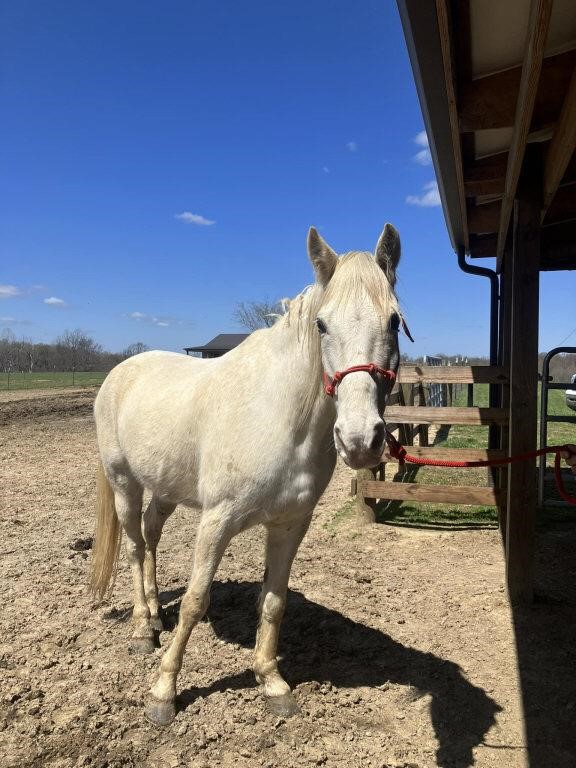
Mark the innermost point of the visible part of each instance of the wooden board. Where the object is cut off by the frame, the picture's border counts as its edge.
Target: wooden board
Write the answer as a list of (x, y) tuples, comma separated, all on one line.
[(452, 374), (404, 414), (540, 11), (451, 454), (441, 494), (524, 298)]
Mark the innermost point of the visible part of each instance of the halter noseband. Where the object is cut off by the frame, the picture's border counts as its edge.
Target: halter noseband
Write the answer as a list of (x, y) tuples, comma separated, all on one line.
[(330, 384)]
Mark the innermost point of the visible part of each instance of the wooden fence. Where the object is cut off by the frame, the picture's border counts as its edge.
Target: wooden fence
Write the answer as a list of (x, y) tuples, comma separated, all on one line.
[(408, 412)]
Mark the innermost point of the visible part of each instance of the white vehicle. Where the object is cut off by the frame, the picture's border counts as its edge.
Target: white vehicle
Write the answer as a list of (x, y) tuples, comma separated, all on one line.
[(571, 394)]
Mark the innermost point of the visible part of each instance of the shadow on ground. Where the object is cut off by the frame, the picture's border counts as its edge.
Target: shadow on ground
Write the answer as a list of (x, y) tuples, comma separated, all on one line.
[(319, 644), (546, 646)]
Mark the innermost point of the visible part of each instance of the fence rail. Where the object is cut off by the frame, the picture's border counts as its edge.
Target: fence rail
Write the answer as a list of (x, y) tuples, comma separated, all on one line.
[(409, 418)]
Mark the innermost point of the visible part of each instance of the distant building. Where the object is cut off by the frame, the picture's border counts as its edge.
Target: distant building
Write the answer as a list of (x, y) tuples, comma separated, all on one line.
[(219, 345)]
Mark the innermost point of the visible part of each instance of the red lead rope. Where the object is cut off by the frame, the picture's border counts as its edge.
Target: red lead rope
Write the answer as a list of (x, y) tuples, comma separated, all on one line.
[(398, 452)]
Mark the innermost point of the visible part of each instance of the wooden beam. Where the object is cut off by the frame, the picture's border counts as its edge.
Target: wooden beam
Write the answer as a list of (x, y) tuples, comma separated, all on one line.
[(444, 29), (486, 176), (452, 374), (538, 24), (523, 350), (484, 219), (558, 250), (490, 101), (483, 246), (563, 207), (405, 414), (441, 494), (562, 146)]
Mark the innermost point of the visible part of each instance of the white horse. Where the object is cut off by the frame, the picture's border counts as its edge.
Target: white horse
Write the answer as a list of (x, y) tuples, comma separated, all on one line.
[(250, 437)]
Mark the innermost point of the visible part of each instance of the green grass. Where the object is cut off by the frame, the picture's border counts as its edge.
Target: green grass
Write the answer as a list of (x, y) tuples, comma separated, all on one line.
[(50, 380), (453, 516)]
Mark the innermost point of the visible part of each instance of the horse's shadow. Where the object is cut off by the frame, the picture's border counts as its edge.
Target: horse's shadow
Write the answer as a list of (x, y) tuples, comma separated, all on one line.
[(320, 644)]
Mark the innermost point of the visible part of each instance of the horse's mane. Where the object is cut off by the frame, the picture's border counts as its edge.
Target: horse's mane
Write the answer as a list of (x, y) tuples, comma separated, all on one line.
[(357, 276)]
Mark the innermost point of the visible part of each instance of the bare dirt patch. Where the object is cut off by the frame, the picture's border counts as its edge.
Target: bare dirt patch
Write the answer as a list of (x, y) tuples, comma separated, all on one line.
[(400, 644)]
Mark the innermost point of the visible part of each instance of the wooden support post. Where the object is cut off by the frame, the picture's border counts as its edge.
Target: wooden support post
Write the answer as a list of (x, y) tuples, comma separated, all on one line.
[(365, 507), (522, 480), (504, 340)]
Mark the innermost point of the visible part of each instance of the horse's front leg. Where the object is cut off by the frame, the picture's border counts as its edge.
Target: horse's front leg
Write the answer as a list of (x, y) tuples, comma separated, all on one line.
[(214, 533), (282, 544), (154, 518)]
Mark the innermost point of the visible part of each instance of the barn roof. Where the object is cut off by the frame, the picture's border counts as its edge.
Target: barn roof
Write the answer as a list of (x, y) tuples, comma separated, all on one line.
[(496, 84), (221, 343)]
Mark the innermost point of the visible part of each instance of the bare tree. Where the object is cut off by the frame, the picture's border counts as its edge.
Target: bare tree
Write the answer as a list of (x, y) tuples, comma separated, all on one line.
[(78, 351), (135, 349), (257, 314)]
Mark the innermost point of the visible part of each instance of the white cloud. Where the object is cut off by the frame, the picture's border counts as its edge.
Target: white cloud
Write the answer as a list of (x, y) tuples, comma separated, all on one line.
[(7, 319), (326, 169), (430, 197), (423, 157), (352, 146), (161, 322), (54, 301), (194, 218), (9, 291), (421, 139)]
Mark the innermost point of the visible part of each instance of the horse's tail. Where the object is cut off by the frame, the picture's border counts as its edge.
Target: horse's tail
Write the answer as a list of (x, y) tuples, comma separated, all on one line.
[(107, 537)]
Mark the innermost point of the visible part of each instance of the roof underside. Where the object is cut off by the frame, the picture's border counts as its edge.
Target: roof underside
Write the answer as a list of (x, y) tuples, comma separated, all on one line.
[(495, 78)]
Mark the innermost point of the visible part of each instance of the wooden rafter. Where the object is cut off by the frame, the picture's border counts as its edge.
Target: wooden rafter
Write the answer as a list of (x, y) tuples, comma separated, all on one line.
[(490, 101), (540, 12), (562, 146), (444, 27)]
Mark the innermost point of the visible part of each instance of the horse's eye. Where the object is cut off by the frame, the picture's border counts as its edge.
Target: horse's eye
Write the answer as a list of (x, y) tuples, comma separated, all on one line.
[(395, 323), (320, 325)]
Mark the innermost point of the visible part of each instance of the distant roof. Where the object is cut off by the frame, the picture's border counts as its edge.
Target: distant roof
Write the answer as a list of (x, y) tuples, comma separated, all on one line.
[(221, 343)]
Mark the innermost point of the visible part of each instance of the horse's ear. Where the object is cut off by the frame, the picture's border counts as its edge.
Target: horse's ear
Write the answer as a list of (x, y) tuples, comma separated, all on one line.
[(322, 257), (388, 252)]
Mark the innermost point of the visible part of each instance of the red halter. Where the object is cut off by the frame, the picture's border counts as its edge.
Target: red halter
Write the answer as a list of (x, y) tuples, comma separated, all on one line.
[(330, 384)]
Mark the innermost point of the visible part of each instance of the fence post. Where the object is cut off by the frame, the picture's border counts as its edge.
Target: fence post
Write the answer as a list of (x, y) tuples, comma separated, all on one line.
[(365, 507)]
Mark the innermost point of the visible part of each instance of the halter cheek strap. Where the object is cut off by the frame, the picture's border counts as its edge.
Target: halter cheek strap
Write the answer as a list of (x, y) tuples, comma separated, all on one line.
[(331, 384)]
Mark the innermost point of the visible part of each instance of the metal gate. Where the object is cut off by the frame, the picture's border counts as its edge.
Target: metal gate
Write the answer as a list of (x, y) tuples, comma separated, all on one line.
[(545, 418)]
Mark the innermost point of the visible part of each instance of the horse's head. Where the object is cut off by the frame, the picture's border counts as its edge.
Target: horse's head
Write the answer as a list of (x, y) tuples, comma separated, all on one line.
[(358, 322)]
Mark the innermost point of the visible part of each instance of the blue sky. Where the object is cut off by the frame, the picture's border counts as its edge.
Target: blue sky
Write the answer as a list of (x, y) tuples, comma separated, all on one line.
[(163, 161)]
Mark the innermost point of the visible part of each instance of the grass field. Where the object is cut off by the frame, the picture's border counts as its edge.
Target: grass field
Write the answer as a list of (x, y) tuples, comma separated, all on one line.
[(458, 436), (50, 379)]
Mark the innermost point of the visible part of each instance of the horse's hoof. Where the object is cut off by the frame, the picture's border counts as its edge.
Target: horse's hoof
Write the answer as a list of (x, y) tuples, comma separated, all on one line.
[(156, 624), (160, 713), (142, 645), (282, 706)]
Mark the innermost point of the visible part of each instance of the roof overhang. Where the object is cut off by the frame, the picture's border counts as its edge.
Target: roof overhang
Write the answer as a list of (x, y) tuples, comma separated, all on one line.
[(494, 78)]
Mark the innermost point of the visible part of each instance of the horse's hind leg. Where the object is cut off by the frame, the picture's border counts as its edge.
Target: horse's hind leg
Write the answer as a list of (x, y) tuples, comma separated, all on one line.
[(128, 502), (155, 516), (281, 546), (212, 538)]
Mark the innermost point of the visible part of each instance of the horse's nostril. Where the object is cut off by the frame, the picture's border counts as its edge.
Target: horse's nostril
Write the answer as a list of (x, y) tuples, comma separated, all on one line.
[(378, 439)]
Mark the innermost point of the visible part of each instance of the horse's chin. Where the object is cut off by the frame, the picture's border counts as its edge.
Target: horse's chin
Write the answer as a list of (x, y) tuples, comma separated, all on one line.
[(364, 463)]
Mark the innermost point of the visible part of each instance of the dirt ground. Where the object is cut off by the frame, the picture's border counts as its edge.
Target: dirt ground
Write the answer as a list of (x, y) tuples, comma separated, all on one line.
[(400, 644)]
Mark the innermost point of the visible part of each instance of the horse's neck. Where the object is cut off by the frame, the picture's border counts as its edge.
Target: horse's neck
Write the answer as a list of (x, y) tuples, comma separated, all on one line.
[(299, 374)]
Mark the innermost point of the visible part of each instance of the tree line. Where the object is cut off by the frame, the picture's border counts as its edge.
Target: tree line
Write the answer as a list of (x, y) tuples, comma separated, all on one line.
[(73, 350)]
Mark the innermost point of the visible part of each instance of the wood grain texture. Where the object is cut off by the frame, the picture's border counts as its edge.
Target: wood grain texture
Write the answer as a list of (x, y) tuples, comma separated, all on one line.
[(453, 374), (429, 415), (540, 11), (441, 494)]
